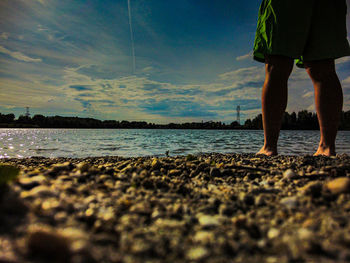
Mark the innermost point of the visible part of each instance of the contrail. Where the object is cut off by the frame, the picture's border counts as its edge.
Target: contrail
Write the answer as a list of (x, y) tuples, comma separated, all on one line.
[(132, 40)]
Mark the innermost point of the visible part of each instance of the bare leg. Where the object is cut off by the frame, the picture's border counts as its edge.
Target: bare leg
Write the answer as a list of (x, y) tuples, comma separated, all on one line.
[(328, 101), (274, 99)]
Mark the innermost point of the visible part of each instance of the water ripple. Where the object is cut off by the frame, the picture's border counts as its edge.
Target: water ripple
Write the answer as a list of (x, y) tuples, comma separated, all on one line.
[(126, 142)]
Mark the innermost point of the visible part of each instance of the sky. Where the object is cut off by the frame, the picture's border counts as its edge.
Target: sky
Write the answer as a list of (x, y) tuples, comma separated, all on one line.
[(193, 60)]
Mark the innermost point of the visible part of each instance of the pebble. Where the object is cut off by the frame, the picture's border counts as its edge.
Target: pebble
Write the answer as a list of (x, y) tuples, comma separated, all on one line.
[(339, 185), (289, 174), (290, 202), (168, 223), (174, 172), (273, 233), (305, 233), (83, 167), (28, 183), (312, 188), (215, 172), (208, 220), (42, 191), (48, 244), (204, 237), (140, 246), (197, 253), (61, 167), (155, 163), (210, 208)]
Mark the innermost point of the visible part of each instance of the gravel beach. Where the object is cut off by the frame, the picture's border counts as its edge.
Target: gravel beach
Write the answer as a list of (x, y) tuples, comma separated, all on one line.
[(204, 208)]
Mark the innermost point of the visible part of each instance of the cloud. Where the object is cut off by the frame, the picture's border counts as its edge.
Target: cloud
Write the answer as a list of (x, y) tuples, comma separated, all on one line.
[(308, 94), (41, 28), (80, 88), (311, 107), (245, 104), (147, 69), (87, 106), (246, 56), (43, 2), (18, 55), (299, 74), (342, 60), (244, 74), (178, 108), (4, 35), (346, 81)]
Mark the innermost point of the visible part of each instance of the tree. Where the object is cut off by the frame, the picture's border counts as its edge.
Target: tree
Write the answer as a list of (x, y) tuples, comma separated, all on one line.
[(7, 118)]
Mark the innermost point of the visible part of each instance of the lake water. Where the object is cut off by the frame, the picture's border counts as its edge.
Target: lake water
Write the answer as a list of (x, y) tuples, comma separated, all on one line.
[(138, 142)]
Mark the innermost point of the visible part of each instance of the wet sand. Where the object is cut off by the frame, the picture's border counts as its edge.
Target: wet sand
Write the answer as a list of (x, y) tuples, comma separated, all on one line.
[(205, 208)]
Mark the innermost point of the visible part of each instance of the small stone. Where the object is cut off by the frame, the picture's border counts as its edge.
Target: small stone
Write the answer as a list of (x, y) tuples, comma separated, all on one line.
[(247, 198), (169, 223), (47, 244), (83, 167), (239, 221), (219, 165), (260, 200), (273, 233), (61, 167), (289, 174), (197, 253), (50, 204), (140, 246), (204, 237), (202, 166), (39, 191), (174, 172), (142, 208), (310, 223), (305, 233), (339, 185), (190, 157), (155, 163), (312, 188), (208, 220), (215, 172), (28, 183), (226, 210), (290, 202)]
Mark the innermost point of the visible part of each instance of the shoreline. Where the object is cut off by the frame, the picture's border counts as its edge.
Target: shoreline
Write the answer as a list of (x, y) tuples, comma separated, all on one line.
[(195, 208)]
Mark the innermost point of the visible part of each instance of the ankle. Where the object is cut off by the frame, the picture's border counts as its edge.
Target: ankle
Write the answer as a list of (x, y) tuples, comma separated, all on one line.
[(326, 146), (269, 147), (268, 151), (325, 149)]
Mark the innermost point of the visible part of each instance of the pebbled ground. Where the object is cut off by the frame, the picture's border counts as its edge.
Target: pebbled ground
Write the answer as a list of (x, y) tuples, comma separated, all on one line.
[(205, 208)]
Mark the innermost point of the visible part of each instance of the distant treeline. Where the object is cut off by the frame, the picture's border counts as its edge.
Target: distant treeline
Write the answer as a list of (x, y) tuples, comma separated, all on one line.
[(303, 120)]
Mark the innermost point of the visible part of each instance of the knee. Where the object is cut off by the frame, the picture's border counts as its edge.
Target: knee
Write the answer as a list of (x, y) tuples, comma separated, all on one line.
[(321, 70), (278, 66)]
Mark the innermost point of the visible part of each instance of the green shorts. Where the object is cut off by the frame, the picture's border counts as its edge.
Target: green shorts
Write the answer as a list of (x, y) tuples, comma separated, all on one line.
[(306, 30)]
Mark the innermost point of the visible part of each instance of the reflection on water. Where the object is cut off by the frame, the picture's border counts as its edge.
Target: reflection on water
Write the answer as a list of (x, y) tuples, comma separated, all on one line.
[(137, 142)]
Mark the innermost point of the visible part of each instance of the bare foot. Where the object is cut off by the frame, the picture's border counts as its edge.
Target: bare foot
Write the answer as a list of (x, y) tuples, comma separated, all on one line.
[(268, 151), (325, 151)]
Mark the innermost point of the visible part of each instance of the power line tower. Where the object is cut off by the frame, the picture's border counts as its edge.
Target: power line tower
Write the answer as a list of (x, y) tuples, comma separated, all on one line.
[(238, 114), (27, 112)]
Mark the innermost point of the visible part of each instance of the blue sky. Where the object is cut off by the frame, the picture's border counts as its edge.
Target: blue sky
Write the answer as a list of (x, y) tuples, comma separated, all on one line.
[(193, 60)]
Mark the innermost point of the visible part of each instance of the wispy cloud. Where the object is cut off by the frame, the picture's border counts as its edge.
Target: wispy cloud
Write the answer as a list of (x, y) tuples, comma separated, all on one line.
[(85, 50), (346, 81), (4, 35), (246, 56), (308, 94), (342, 60), (80, 87), (18, 55), (249, 74)]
